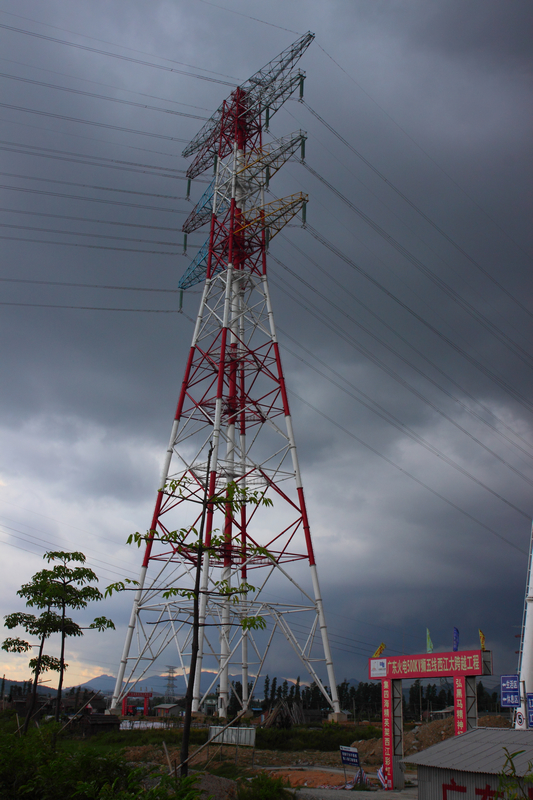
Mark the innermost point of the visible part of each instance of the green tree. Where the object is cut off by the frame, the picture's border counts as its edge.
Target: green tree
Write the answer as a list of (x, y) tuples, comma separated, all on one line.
[(42, 627), (65, 586), (266, 693)]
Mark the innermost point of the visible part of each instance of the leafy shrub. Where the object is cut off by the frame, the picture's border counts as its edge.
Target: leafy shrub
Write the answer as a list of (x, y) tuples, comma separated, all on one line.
[(264, 787), (328, 738), (45, 766)]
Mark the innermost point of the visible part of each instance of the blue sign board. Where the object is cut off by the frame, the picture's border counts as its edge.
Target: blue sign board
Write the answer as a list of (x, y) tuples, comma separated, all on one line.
[(510, 691), (350, 756), (529, 707)]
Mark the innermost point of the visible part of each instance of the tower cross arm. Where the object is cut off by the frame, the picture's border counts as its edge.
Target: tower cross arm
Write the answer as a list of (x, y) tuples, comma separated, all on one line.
[(270, 86)]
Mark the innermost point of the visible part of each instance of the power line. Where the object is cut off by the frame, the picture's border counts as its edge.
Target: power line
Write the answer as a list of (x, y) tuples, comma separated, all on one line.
[(165, 172), (402, 382), (100, 96), (91, 246), (484, 321), (330, 246), (419, 211), (89, 138), (255, 19), (114, 44), (90, 122), (91, 186), (392, 350), (406, 472), (95, 308), (441, 169), (115, 55), (90, 285), (107, 85), (93, 199), (90, 219), (92, 235), (381, 412)]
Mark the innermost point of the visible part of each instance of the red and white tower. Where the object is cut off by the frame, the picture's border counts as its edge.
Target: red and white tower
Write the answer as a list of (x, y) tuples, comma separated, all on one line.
[(233, 428)]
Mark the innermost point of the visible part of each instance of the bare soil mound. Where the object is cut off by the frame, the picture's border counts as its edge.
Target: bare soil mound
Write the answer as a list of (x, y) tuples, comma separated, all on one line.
[(420, 738)]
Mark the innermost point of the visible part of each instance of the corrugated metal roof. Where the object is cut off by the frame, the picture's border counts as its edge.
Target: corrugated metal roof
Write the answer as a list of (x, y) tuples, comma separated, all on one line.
[(479, 750)]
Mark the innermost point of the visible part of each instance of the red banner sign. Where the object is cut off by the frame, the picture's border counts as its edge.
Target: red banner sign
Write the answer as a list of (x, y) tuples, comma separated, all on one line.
[(388, 749), (459, 695), (432, 665)]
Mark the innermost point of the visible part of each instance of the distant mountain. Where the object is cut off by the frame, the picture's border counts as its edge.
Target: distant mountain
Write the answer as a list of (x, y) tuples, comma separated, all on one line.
[(151, 683), (158, 683)]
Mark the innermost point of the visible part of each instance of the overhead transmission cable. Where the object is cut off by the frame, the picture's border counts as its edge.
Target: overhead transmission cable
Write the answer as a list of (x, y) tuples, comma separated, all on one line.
[(418, 210), (439, 167), (478, 316), (402, 221), (398, 355), (399, 380), (101, 96), (116, 55), (123, 166), (107, 85), (407, 473), (91, 186), (63, 132), (115, 44), (96, 308), (90, 285), (38, 540), (489, 373), (90, 122), (470, 285), (92, 235), (90, 219), (375, 407), (93, 199), (90, 246)]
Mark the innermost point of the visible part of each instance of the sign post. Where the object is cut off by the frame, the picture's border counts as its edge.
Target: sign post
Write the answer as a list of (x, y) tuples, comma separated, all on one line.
[(510, 691), (350, 757)]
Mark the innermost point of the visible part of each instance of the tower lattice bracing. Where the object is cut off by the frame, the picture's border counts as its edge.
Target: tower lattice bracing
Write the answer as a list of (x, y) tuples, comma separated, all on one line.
[(232, 437)]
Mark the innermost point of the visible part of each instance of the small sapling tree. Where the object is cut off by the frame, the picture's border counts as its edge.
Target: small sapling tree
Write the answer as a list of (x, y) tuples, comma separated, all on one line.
[(65, 586)]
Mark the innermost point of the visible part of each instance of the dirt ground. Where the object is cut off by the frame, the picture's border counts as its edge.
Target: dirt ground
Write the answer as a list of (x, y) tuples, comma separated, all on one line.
[(297, 764), (307, 777)]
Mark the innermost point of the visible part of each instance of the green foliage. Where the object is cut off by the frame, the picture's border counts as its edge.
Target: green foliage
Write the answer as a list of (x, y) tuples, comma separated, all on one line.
[(62, 587), (511, 785), (264, 787), (226, 769), (327, 739), (43, 766), (167, 788)]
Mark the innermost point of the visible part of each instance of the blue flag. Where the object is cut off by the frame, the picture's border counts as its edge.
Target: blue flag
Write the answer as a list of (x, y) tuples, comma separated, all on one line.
[(455, 640)]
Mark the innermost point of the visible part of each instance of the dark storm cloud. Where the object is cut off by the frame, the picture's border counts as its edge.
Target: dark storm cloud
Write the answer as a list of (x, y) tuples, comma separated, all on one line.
[(89, 398), (495, 31)]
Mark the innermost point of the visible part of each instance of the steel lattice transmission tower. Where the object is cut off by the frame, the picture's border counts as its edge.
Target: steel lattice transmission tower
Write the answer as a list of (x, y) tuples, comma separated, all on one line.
[(233, 399)]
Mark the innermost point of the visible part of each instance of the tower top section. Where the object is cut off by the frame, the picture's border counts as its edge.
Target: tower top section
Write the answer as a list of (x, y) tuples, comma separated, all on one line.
[(268, 88)]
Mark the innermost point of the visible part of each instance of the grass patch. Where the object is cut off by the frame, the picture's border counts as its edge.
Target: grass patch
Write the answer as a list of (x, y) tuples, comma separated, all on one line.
[(326, 739)]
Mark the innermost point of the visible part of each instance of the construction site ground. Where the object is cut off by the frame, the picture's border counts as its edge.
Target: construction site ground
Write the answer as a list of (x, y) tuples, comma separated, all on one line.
[(309, 769)]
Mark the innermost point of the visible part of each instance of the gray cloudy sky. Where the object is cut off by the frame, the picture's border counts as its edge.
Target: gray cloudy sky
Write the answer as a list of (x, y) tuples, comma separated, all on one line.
[(436, 98)]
